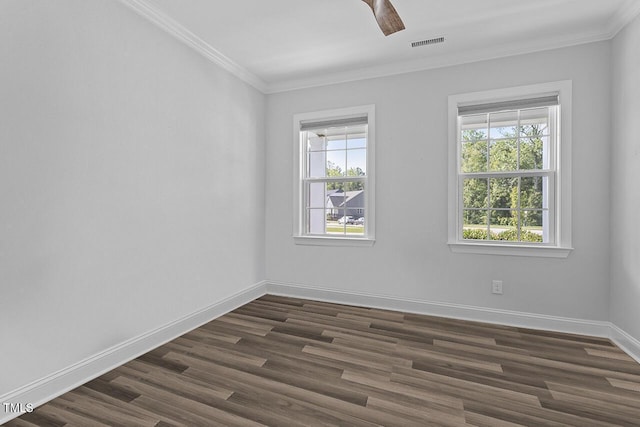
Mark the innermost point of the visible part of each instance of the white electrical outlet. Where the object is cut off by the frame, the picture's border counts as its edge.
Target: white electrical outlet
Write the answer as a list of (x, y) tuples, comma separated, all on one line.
[(496, 287)]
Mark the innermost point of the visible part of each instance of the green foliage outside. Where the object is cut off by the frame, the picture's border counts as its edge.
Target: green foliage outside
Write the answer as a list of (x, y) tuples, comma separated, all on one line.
[(507, 235), (334, 170), (503, 201)]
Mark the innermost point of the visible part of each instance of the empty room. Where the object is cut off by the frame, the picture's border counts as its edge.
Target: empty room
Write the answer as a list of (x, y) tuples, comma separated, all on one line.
[(337, 212)]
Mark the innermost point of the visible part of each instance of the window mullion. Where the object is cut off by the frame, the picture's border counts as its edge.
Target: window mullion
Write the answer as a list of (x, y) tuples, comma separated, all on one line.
[(510, 174), (488, 211), (329, 179), (519, 210), (488, 142)]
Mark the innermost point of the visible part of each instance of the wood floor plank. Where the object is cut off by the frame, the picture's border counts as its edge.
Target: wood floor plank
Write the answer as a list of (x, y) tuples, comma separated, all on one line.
[(599, 409), (129, 408), (421, 417), (67, 417), (350, 406), (480, 420), (627, 403), (292, 385), (464, 389), (424, 356), (197, 410), (281, 361), (99, 410), (266, 394), (24, 422), (192, 389), (447, 410), (210, 351), (627, 385), (609, 354)]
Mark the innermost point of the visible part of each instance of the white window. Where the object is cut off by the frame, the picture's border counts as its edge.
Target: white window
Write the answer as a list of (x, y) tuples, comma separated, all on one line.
[(509, 164), (334, 177)]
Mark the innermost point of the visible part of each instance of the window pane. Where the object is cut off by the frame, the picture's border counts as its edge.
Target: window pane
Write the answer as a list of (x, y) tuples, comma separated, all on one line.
[(357, 141), (474, 224), (503, 193), (337, 142), (335, 223), (504, 225), (531, 196), (532, 220), (316, 195), (346, 190), (503, 155), (532, 153), (355, 224), (330, 214), (474, 156), (534, 122), (531, 226), (475, 192), (474, 127), (316, 164), (336, 163), (335, 198), (314, 142), (316, 222), (356, 162), (503, 125)]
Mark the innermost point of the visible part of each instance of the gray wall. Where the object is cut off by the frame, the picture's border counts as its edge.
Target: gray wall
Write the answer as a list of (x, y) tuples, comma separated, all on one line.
[(131, 182), (132, 186), (625, 178), (410, 258)]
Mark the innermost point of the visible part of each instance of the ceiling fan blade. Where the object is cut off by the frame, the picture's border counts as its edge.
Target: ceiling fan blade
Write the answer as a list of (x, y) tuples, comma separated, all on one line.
[(388, 19)]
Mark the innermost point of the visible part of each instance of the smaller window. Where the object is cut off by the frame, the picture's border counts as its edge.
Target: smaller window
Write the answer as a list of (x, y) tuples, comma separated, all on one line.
[(334, 177), (509, 171)]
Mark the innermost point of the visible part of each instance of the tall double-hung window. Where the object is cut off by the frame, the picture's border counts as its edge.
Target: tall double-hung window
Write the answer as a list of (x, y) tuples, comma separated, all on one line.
[(334, 183), (510, 171)]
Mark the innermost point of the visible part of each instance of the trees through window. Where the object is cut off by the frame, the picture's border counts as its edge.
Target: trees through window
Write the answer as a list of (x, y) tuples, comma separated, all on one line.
[(506, 163), (510, 171)]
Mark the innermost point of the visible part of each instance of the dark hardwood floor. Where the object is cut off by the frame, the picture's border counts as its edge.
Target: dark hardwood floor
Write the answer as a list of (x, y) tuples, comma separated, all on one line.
[(282, 362)]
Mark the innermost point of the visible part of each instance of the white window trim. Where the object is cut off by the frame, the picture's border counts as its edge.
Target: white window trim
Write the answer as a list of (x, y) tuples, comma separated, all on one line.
[(562, 247), (298, 191)]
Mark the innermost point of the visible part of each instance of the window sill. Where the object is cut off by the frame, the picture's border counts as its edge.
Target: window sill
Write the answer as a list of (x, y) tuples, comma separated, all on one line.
[(510, 250), (333, 241)]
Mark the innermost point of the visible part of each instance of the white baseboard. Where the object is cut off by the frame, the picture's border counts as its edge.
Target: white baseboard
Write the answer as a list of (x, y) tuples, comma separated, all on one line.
[(626, 342), (67, 379), (60, 382), (449, 310), (603, 329)]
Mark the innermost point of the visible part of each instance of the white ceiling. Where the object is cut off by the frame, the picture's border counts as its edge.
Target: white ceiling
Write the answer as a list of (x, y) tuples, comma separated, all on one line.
[(280, 45)]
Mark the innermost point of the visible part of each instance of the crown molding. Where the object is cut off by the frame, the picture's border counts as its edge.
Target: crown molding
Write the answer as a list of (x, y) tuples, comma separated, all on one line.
[(439, 61), (627, 13), (607, 31), (147, 10)]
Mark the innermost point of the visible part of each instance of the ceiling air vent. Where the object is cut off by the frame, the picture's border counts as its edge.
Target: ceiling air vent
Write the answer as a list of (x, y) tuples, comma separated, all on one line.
[(427, 42)]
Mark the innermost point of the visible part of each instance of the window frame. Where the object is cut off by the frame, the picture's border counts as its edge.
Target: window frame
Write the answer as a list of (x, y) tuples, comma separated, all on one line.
[(561, 156), (299, 178)]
